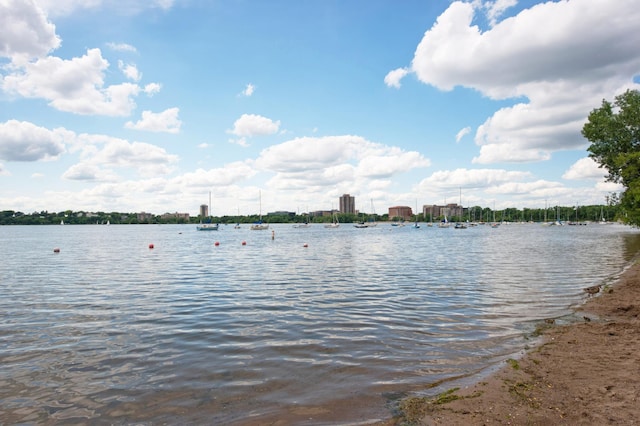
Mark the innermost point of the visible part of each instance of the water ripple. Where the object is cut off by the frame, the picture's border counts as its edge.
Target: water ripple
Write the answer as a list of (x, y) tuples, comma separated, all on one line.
[(190, 331)]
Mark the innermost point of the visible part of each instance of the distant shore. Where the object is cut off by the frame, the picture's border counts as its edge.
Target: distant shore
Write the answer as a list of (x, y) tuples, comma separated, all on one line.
[(586, 372)]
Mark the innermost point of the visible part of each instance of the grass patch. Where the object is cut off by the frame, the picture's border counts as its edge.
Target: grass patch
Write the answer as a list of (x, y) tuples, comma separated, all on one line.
[(413, 409), (513, 363)]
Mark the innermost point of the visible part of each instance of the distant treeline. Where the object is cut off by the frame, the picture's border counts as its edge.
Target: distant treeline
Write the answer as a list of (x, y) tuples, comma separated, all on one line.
[(472, 214)]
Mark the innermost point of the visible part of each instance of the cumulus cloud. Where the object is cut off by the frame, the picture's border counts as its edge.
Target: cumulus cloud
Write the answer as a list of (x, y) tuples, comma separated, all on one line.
[(585, 168), (166, 121), (89, 172), (26, 32), (152, 88), (393, 78), (75, 85), (130, 71), (100, 162), (249, 125), (557, 75), (231, 173), (144, 158), (495, 9), (311, 161), (24, 141), (472, 178)]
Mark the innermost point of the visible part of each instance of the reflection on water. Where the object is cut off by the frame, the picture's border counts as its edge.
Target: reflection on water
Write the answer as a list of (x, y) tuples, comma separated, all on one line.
[(111, 330)]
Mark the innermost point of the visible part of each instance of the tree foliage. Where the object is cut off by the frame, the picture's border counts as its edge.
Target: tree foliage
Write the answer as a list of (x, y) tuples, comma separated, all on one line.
[(614, 133)]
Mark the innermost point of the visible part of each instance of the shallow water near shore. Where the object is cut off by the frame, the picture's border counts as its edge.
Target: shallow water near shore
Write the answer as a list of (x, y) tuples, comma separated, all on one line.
[(109, 330)]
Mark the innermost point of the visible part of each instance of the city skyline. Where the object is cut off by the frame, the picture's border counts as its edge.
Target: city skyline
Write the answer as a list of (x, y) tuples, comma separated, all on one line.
[(280, 105)]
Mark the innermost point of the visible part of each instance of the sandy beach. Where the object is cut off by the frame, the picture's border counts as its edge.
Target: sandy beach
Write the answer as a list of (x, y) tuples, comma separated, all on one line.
[(585, 372)]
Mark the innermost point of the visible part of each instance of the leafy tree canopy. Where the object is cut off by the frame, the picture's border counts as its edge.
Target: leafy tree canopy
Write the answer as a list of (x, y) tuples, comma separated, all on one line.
[(614, 133)]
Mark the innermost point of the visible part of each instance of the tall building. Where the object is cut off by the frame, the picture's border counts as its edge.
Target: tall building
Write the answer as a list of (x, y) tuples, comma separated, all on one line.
[(401, 212), (347, 204), (204, 210)]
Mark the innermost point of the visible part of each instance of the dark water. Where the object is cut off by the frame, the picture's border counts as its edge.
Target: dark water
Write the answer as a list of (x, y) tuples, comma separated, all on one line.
[(109, 331)]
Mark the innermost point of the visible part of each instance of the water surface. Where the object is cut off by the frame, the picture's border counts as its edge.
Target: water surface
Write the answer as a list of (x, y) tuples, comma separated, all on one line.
[(111, 331)]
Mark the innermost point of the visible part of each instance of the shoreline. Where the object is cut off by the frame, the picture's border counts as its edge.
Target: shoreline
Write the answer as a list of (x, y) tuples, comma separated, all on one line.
[(586, 372)]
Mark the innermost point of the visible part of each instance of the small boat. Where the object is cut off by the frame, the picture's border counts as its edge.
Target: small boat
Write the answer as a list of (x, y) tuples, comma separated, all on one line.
[(371, 222), (259, 225), (335, 223), (208, 226)]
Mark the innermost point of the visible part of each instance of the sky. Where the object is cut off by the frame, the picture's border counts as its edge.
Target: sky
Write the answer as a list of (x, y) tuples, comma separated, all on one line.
[(285, 105)]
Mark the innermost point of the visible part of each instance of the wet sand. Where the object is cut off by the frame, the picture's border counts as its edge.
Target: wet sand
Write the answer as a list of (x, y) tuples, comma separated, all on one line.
[(586, 372)]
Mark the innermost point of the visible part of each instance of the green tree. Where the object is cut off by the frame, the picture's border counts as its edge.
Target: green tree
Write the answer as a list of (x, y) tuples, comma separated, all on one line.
[(614, 133)]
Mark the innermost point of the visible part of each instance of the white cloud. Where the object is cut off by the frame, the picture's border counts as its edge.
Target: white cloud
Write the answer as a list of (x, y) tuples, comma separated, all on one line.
[(24, 141), (122, 47), (166, 121), (562, 71), (239, 141), (472, 178), (26, 33), (317, 162), (223, 176), (89, 172), (248, 91), (152, 88), (144, 158), (585, 168), (393, 78), (250, 125), (75, 85), (462, 133), (495, 9), (130, 71), (66, 7)]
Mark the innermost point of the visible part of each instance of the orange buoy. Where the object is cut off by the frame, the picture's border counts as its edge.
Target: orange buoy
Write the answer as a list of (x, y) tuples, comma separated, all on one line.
[(150, 246), (244, 243), (217, 243), (56, 250)]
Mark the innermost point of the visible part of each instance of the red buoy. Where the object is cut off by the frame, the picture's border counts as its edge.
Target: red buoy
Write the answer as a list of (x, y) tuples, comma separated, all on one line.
[(217, 243), (150, 246), (56, 250), (244, 243), (305, 245)]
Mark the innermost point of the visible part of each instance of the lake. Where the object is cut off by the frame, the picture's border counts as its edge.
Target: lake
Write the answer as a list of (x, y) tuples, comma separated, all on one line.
[(308, 326)]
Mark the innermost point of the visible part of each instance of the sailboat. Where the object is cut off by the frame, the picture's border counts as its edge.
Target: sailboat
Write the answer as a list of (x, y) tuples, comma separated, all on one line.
[(370, 223), (259, 225), (460, 224), (416, 226), (208, 226), (304, 224), (444, 223), (334, 223)]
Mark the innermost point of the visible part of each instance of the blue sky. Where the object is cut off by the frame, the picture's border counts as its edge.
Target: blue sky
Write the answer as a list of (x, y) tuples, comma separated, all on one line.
[(149, 105)]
